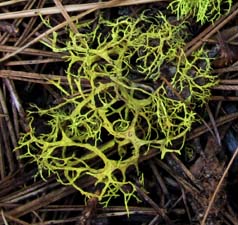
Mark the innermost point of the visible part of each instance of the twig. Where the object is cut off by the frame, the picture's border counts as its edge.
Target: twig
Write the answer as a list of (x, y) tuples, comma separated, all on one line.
[(25, 36), (31, 51), (219, 122), (213, 122), (2, 162), (41, 36), (32, 77), (16, 23), (224, 98), (4, 218), (226, 87), (11, 2), (159, 178), (32, 62), (74, 8), (17, 103), (161, 212), (225, 70), (185, 170), (41, 201), (233, 81), (10, 129), (66, 16), (185, 184)]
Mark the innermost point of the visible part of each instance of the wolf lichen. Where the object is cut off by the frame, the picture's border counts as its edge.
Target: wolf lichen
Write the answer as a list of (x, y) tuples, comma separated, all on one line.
[(202, 10), (131, 88)]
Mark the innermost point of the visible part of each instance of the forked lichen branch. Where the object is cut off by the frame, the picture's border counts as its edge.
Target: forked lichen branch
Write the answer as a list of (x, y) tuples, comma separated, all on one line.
[(140, 94)]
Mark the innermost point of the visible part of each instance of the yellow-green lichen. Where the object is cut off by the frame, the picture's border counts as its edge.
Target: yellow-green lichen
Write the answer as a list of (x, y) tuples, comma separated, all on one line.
[(202, 10), (131, 88)]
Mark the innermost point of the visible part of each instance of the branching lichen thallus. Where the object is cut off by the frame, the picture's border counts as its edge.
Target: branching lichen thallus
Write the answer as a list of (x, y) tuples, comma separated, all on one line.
[(101, 131)]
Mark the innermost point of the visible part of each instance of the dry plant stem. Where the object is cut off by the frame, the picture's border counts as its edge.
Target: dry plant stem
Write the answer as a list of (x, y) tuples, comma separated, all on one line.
[(208, 32), (24, 67), (17, 103), (74, 8), (186, 185), (10, 130), (218, 108), (32, 77), (159, 179), (16, 120), (147, 199), (16, 220), (176, 202), (136, 211), (231, 215), (16, 107), (226, 87), (208, 126), (25, 35), (110, 209), (219, 122), (186, 205), (182, 166), (228, 82), (234, 36), (6, 36), (31, 51), (12, 2), (154, 221), (32, 191), (2, 161), (46, 199), (235, 64), (6, 147), (41, 201), (66, 16), (4, 218), (32, 62), (213, 122), (224, 98), (15, 97), (11, 182), (61, 221), (59, 26), (33, 33), (218, 187), (38, 218)]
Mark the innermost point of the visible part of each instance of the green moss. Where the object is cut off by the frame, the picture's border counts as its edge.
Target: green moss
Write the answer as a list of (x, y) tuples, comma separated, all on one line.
[(202, 10), (131, 88)]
